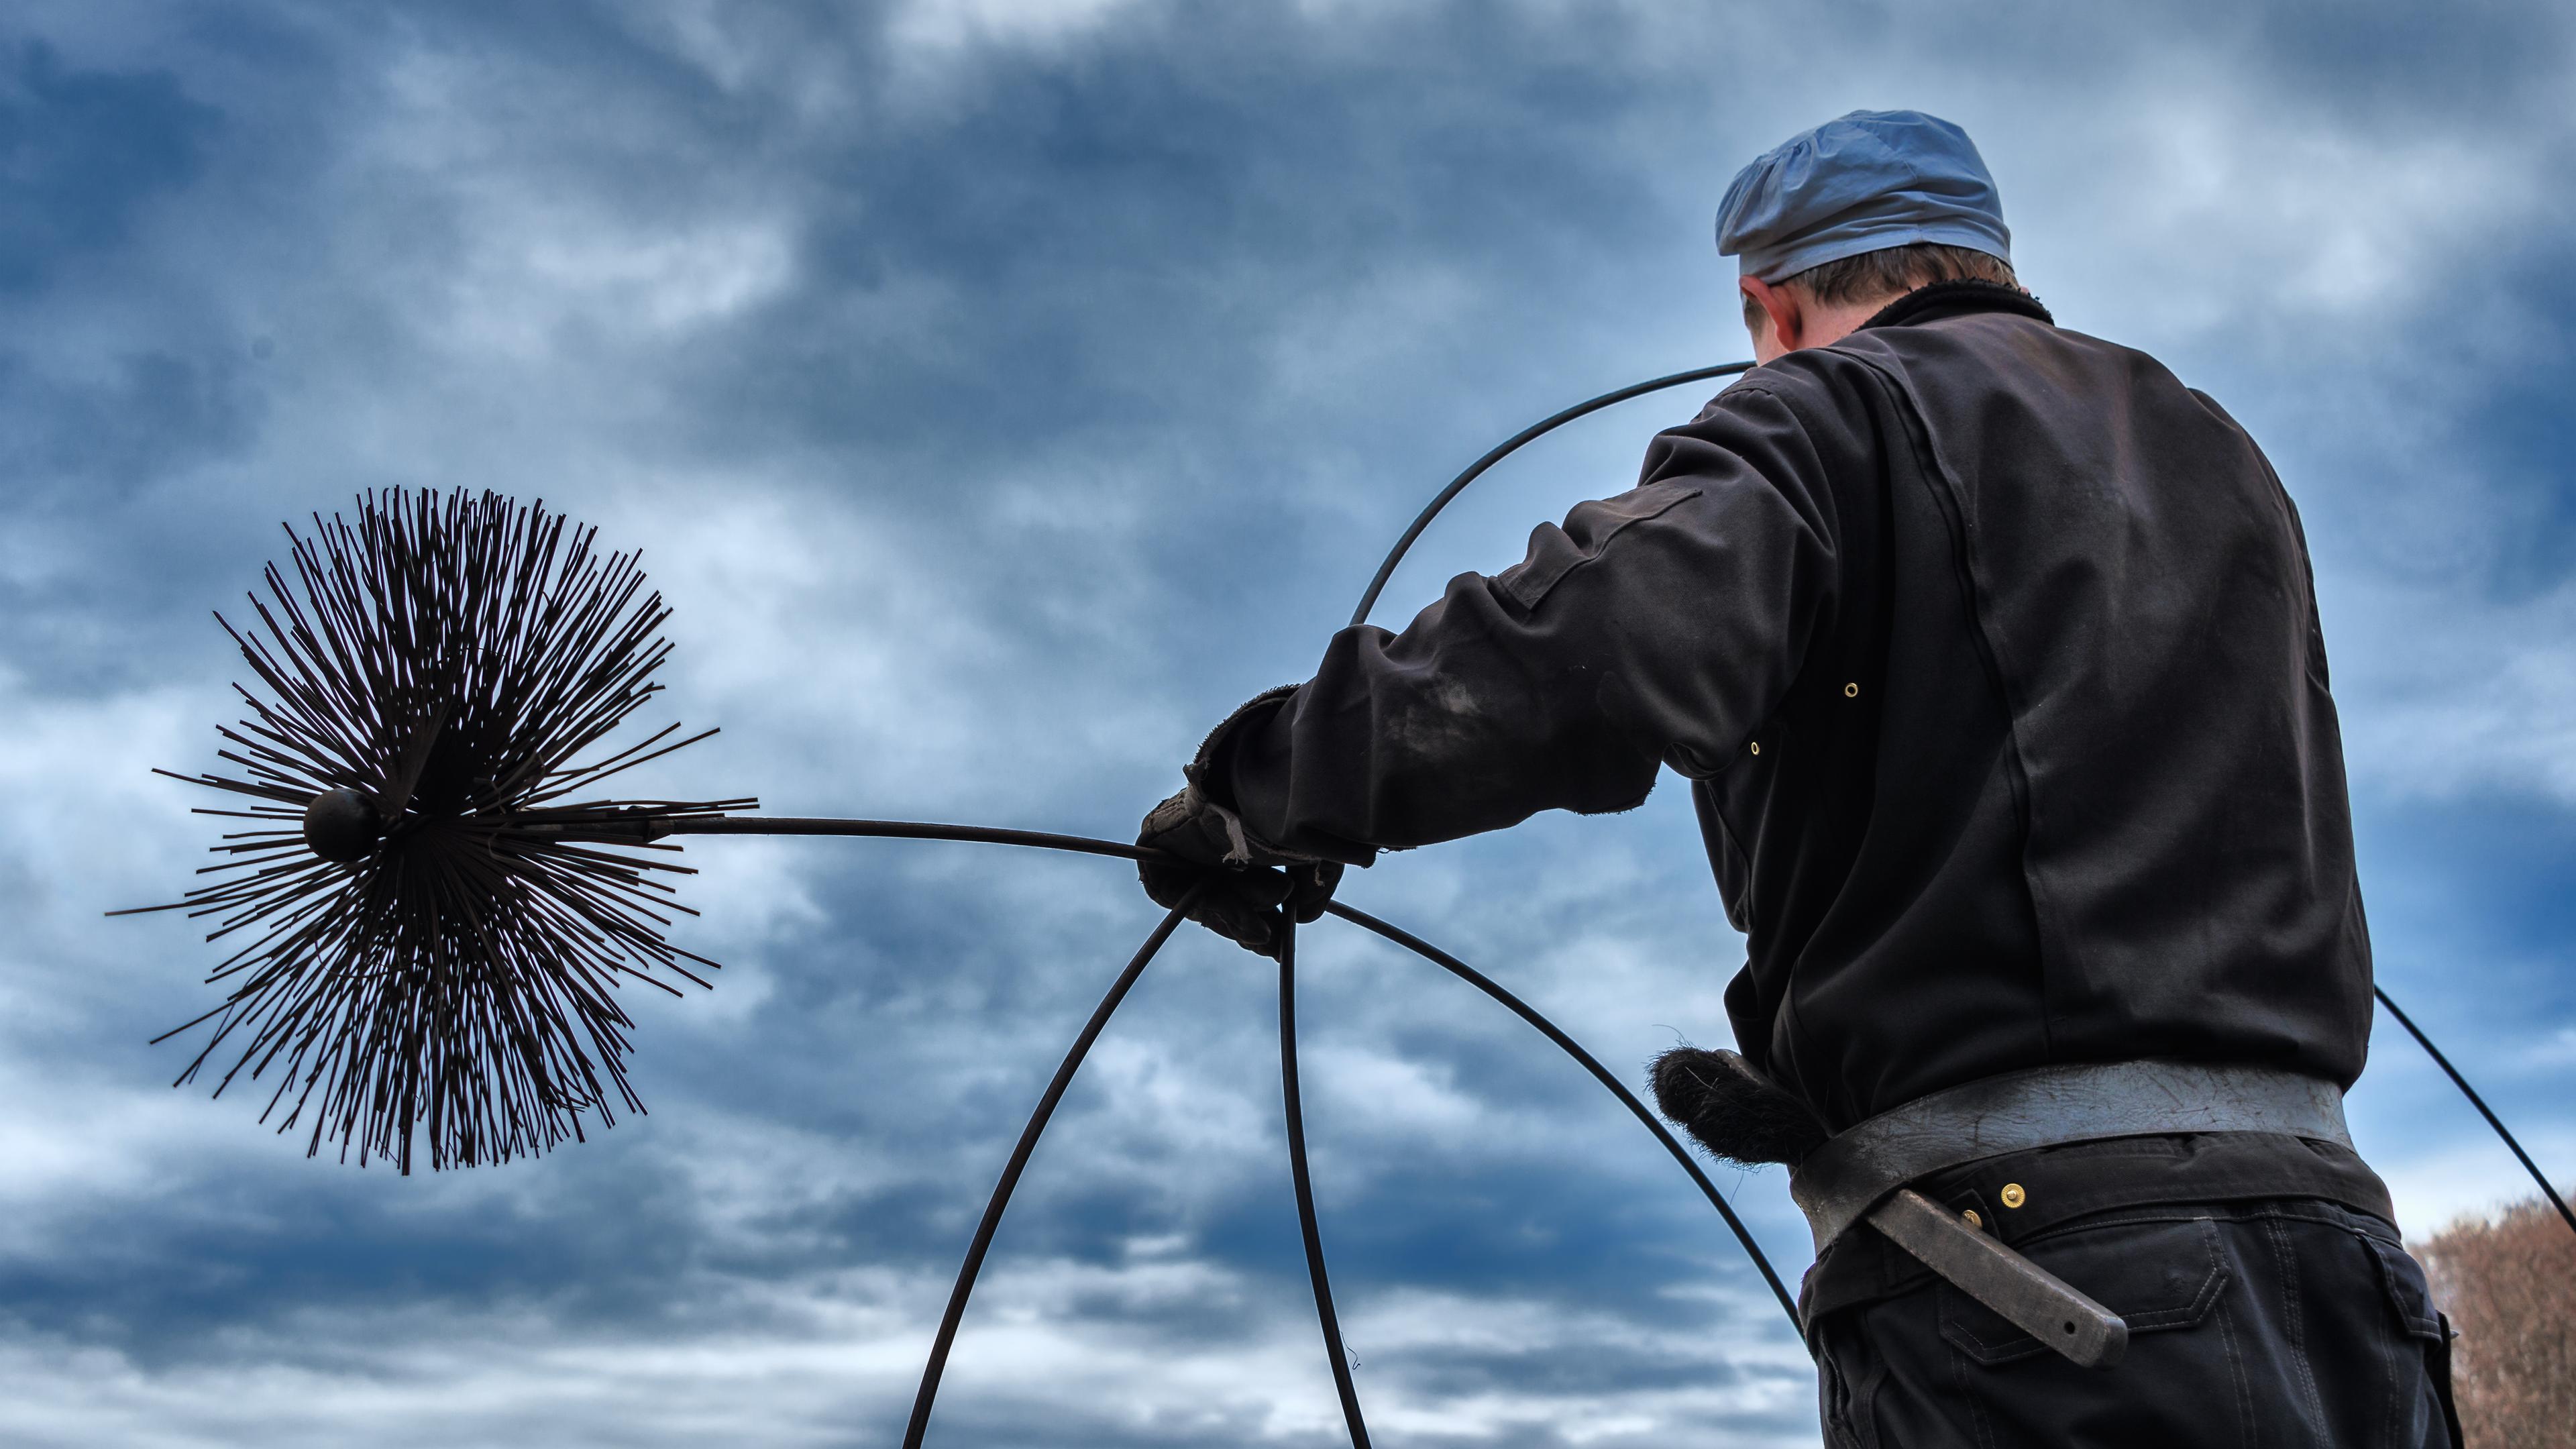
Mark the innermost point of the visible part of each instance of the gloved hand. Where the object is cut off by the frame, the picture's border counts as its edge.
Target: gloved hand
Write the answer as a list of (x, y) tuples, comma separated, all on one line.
[(1253, 891)]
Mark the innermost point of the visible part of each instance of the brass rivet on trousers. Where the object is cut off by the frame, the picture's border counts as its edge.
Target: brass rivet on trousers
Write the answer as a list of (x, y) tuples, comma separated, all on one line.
[(1851, 691), (1974, 1221), (2013, 1196)]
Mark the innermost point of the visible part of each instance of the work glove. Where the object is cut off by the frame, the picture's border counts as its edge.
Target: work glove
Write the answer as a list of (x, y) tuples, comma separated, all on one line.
[(1251, 893), (1733, 1110)]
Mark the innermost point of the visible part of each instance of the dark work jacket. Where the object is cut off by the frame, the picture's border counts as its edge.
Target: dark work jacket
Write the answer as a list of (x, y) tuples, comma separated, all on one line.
[(1991, 654)]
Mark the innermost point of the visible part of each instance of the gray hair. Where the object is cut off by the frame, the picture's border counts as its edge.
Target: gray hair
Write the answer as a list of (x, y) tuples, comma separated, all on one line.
[(1890, 273)]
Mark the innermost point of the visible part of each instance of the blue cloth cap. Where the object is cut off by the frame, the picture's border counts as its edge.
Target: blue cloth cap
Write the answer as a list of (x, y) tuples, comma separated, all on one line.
[(1861, 183)]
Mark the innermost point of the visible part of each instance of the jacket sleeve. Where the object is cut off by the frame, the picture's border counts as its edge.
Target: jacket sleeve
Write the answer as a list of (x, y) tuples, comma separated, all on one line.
[(1661, 626)]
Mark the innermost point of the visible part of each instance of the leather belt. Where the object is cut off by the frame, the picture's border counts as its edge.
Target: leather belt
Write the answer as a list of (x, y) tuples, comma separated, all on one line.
[(1856, 1169)]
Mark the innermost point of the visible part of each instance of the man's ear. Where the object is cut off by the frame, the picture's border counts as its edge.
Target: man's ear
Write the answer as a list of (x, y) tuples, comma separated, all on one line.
[(1780, 305)]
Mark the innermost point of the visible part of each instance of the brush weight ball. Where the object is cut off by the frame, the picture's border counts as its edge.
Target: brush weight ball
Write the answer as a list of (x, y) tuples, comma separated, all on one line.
[(341, 825)]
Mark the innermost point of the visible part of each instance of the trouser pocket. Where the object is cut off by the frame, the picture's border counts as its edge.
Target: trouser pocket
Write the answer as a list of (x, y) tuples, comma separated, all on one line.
[(2158, 1276), (2410, 1306), (2297, 1324), (2174, 1280)]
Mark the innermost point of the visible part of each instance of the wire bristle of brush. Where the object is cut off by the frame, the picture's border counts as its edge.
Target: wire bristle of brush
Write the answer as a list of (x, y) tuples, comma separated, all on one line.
[(460, 663)]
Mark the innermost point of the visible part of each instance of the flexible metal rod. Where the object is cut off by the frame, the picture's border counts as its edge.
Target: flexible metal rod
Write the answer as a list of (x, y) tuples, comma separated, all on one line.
[(2552, 1194), (995, 1205), (888, 829), (1459, 484), (923, 830), (1306, 1223), (1570, 1047)]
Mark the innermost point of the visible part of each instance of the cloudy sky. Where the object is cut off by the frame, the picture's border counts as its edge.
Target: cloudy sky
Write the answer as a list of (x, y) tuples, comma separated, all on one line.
[(1000, 390)]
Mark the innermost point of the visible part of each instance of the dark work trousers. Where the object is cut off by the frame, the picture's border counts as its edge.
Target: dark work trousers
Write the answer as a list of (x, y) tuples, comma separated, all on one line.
[(2287, 1324)]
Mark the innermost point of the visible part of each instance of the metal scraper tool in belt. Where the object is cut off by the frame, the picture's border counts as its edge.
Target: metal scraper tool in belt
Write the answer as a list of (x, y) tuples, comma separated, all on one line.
[(1859, 1174), (437, 901)]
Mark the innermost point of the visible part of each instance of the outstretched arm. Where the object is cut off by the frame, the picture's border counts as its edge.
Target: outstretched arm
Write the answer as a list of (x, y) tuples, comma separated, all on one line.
[(1662, 626)]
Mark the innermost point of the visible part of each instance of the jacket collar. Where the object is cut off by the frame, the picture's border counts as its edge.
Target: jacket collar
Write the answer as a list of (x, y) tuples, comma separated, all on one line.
[(1957, 299)]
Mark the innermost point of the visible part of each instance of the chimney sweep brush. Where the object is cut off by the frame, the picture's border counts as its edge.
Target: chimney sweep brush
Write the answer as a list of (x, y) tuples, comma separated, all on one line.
[(436, 907)]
